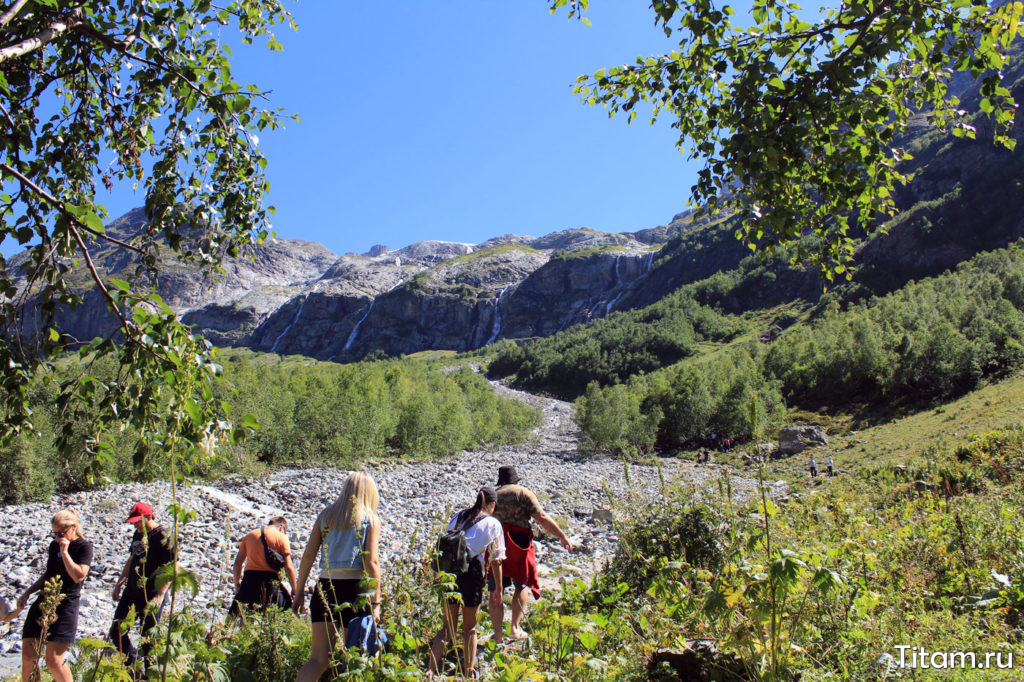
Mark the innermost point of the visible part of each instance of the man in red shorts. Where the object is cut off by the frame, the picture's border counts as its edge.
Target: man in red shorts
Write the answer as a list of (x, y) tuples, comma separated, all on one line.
[(515, 508)]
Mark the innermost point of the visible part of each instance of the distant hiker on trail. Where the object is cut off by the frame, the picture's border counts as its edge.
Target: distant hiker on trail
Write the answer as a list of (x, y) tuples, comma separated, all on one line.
[(516, 507), (346, 535), (263, 552), (68, 558), (485, 542), (831, 471), (813, 466), (150, 551)]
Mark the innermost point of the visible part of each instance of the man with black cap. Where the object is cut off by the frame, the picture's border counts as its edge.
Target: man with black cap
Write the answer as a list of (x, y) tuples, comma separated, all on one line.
[(150, 551), (516, 506)]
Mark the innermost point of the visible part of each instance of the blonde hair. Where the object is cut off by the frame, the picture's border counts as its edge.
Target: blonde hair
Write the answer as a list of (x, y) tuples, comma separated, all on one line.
[(356, 503), (67, 518)]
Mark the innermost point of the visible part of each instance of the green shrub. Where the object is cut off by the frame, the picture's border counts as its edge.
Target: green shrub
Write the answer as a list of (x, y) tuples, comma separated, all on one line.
[(671, 531), (26, 474), (612, 420)]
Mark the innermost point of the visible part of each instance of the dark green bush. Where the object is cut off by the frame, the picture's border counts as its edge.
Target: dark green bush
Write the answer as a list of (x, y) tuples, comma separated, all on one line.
[(26, 474), (672, 531)]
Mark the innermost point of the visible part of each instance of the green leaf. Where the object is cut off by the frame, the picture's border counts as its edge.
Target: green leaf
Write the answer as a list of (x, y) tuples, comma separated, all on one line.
[(588, 640)]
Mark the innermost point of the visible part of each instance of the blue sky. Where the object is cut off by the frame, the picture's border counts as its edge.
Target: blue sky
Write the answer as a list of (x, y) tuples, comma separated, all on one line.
[(454, 119)]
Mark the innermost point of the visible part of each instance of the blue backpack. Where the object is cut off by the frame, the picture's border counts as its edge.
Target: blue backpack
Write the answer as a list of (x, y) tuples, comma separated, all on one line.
[(363, 633)]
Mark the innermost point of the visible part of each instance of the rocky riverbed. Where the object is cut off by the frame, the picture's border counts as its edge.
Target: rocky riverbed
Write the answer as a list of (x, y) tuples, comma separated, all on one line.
[(414, 498)]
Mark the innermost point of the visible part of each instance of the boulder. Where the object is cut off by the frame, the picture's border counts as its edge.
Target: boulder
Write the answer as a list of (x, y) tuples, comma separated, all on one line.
[(749, 459), (795, 439)]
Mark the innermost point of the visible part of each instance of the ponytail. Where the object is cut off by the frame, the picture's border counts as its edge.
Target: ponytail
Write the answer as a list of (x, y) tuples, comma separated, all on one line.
[(468, 516)]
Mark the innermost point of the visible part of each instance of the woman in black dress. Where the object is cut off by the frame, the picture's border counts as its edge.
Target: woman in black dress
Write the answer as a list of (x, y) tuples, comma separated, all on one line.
[(68, 558)]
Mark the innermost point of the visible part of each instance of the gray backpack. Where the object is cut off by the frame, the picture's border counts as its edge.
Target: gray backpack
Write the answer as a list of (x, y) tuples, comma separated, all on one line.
[(453, 555)]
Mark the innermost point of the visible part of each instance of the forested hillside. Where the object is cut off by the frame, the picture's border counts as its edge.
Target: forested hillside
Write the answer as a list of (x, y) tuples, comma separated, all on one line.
[(306, 413), (931, 340)]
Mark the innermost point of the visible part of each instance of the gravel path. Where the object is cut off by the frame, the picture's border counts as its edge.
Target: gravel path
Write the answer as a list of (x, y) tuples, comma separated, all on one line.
[(413, 498)]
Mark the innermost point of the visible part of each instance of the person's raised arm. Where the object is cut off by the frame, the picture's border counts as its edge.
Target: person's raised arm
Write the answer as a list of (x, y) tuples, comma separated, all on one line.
[(236, 569), (306, 565), (548, 524), (76, 571), (371, 564)]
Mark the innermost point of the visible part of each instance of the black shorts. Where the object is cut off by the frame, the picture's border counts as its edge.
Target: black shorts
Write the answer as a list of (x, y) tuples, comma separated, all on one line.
[(62, 630), (337, 592), (260, 589), (505, 582), (471, 584)]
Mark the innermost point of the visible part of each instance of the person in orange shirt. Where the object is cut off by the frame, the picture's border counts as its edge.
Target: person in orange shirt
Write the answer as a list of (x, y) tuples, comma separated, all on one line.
[(263, 553)]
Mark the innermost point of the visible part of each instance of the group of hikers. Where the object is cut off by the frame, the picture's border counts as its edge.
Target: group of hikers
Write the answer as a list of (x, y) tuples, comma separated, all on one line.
[(812, 467), (494, 533), (724, 443)]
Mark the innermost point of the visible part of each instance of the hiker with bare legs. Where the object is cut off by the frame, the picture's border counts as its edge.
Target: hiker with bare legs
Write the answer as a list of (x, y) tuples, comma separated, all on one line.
[(484, 544), (68, 558), (136, 588), (516, 507), (346, 536)]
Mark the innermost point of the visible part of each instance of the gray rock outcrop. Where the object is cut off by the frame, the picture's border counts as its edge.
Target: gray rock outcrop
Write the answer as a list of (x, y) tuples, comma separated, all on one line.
[(796, 439)]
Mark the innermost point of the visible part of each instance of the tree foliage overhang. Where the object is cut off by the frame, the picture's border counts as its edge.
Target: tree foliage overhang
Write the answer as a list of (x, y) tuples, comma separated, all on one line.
[(797, 119), (124, 91)]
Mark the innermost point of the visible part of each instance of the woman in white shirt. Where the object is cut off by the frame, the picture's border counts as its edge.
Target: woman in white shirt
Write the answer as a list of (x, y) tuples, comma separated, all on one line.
[(485, 542)]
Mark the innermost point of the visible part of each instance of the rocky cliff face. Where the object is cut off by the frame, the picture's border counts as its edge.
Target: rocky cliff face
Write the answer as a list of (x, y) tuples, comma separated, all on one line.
[(295, 297)]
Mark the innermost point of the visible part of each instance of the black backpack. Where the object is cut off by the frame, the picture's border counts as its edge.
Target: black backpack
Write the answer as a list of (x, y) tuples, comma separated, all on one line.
[(453, 556), (275, 560)]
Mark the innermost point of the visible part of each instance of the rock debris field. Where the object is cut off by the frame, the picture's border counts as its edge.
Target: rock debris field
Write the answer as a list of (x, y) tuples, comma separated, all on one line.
[(413, 500)]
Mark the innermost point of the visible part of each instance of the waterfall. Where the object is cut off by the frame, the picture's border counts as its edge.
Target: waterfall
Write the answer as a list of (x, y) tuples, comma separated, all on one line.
[(649, 261), (618, 283), (355, 329), (575, 309), (608, 307), (496, 328), (273, 349)]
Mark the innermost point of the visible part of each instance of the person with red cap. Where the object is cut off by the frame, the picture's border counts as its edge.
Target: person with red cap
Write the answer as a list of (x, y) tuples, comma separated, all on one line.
[(136, 587)]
